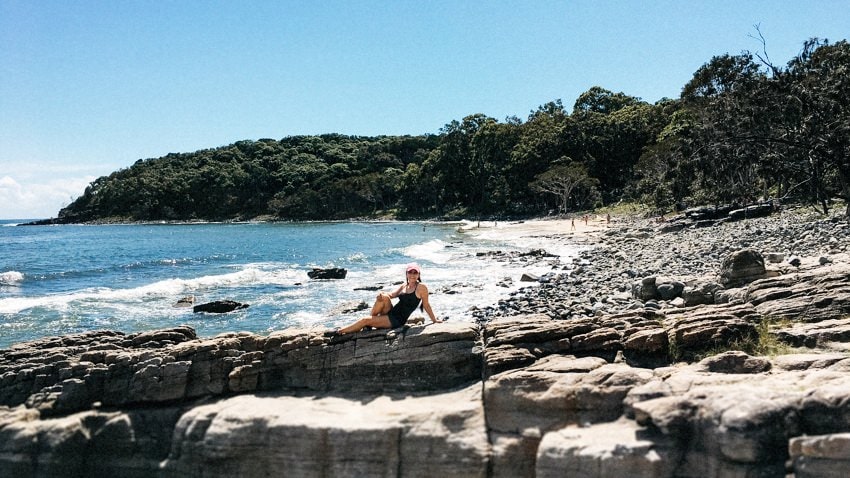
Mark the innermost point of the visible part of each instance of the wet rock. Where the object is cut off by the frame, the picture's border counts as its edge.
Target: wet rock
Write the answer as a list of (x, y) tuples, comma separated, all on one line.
[(349, 307), (187, 301), (219, 307), (332, 273)]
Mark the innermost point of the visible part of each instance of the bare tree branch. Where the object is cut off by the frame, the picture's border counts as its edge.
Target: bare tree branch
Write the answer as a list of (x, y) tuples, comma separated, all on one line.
[(763, 56)]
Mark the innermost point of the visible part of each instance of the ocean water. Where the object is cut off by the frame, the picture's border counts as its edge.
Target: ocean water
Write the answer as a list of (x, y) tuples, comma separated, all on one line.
[(72, 278)]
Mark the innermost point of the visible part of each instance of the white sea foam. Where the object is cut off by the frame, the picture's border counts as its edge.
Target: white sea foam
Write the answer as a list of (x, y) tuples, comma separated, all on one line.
[(434, 251), (11, 277), (303, 319), (357, 257), (165, 289)]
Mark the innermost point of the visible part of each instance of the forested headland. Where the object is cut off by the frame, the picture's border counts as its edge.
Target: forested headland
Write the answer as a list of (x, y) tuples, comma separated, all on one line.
[(742, 129)]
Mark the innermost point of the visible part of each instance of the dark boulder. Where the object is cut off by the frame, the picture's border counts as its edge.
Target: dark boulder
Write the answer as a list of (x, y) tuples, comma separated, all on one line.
[(741, 267), (333, 273), (752, 211), (709, 213), (219, 307)]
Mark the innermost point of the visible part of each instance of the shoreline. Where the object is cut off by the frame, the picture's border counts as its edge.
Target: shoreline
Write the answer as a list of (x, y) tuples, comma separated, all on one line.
[(612, 257)]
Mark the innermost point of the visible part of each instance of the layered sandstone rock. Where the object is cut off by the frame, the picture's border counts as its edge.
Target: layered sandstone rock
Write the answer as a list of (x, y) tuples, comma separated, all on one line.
[(108, 369), (443, 434)]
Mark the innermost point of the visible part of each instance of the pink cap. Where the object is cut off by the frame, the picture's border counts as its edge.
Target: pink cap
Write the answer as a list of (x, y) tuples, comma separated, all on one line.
[(413, 267)]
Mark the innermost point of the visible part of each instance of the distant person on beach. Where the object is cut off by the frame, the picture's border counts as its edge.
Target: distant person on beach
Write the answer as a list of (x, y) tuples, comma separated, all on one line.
[(385, 315)]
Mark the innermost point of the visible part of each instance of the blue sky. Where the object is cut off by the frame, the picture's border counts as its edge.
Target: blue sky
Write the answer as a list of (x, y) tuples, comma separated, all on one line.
[(88, 87)]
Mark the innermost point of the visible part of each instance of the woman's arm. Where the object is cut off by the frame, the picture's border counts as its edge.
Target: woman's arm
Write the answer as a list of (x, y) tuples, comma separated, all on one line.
[(396, 292), (423, 295)]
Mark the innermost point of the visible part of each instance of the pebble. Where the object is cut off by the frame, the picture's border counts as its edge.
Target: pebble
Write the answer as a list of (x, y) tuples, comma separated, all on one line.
[(636, 248)]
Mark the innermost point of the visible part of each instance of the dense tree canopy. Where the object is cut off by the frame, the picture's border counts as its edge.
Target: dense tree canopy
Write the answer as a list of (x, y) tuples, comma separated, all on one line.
[(742, 129)]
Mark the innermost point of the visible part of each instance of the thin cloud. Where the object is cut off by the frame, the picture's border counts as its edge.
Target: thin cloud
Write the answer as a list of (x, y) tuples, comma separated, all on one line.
[(35, 200)]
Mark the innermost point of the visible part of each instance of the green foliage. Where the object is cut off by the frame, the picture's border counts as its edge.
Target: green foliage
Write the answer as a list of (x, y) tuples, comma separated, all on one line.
[(609, 134), (745, 131), (299, 177), (601, 101), (740, 130)]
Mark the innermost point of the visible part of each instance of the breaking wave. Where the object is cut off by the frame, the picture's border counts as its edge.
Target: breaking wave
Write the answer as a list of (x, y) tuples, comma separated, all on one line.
[(11, 277)]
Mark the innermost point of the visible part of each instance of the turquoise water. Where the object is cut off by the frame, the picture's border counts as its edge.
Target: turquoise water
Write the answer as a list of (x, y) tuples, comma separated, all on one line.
[(72, 278)]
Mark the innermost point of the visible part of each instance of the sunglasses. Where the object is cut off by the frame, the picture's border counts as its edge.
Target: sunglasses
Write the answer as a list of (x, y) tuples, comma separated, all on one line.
[(413, 272)]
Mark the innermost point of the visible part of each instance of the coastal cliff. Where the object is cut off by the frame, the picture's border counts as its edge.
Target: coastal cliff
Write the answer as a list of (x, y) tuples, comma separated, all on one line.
[(676, 386)]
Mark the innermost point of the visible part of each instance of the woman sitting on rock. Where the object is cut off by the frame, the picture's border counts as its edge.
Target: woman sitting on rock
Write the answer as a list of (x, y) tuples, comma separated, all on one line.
[(385, 315)]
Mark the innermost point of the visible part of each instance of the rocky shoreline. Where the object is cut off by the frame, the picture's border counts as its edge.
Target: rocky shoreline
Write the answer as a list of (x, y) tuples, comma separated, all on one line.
[(602, 278), (644, 357)]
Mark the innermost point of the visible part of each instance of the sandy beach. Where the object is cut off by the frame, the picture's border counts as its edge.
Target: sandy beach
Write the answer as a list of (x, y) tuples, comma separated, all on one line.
[(558, 229)]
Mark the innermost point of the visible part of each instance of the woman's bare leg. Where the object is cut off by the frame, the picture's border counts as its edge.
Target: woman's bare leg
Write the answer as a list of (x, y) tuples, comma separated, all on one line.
[(378, 322), (383, 304)]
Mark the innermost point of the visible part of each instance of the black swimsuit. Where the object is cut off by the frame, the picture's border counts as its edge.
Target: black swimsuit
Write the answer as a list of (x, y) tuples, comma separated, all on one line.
[(405, 306)]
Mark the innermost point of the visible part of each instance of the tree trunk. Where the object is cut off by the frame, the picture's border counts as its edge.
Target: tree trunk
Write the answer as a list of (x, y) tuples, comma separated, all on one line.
[(845, 190), (825, 205)]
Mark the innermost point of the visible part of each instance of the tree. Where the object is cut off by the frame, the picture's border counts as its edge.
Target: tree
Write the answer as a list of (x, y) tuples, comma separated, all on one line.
[(451, 162), (490, 151), (608, 134), (722, 75), (663, 175), (819, 86), (730, 127), (740, 130), (602, 101), (562, 180), (540, 141)]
